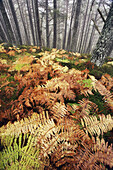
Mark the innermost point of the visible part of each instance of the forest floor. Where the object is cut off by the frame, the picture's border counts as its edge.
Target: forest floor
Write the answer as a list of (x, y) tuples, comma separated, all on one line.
[(57, 85)]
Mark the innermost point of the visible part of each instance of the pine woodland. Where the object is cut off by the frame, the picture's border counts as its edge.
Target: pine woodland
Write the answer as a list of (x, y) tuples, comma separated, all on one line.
[(56, 85)]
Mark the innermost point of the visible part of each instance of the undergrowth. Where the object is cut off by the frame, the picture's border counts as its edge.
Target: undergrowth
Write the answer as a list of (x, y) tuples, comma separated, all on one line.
[(56, 110)]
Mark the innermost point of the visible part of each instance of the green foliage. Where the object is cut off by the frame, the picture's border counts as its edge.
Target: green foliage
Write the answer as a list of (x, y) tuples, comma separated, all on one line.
[(19, 66), (19, 153), (85, 83), (24, 46), (8, 58), (107, 69), (86, 54), (98, 100), (11, 78), (3, 76), (46, 49), (47, 86), (26, 54), (96, 73), (62, 60)]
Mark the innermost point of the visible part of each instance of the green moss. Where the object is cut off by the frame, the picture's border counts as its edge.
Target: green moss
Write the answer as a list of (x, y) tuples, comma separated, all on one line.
[(46, 49), (27, 54), (85, 54), (8, 58), (107, 69), (85, 83), (3, 75), (97, 98), (19, 66), (62, 60), (96, 73), (11, 78)]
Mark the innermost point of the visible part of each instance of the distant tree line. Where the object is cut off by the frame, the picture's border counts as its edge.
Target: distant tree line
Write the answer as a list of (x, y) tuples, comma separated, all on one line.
[(76, 25)]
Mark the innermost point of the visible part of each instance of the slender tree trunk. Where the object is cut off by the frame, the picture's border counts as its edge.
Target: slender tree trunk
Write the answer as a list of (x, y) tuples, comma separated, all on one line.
[(31, 23), (70, 27), (2, 35), (3, 26), (47, 25), (83, 27), (35, 27), (87, 30), (55, 24), (23, 22), (104, 45), (10, 34), (65, 30), (59, 28), (92, 32), (16, 21), (38, 21), (76, 22)]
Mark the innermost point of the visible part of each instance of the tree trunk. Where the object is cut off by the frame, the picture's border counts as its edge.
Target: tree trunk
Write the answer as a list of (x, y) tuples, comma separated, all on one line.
[(92, 32), (47, 25), (75, 27), (16, 21), (65, 29), (2, 34), (35, 27), (104, 45), (23, 22), (55, 24), (9, 33), (70, 27), (83, 27), (38, 22), (85, 39), (31, 23)]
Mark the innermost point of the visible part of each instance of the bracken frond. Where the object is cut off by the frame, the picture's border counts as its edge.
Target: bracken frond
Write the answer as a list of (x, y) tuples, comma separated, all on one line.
[(94, 126)]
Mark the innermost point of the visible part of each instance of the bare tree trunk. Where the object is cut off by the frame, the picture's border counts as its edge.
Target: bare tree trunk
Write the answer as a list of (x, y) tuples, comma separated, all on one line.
[(85, 39), (16, 21), (92, 33), (35, 27), (65, 30), (55, 24), (2, 35), (83, 27), (104, 45), (59, 28), (23, 22), (31, 23), (10, 34), (75, 27), (38, 22), (69, 34), (47, 25)]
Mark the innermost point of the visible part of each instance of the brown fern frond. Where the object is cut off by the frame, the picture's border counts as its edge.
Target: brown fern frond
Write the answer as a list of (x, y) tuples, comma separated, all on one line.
[(25, 125), (59, 110), (103, 152), (107, 81), (108, 97), (94, 126), (87, 106)]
